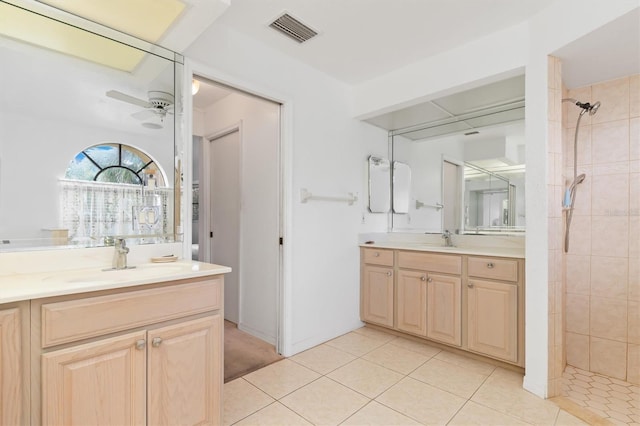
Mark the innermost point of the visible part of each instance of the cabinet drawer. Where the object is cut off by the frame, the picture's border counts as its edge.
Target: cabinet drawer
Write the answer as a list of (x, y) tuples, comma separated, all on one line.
[(498, 269), (72, 320), (431, 262), (376, 256)]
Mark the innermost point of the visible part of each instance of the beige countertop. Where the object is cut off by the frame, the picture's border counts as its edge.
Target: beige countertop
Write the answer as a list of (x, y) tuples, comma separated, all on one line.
[(27, 286), (513, 252)]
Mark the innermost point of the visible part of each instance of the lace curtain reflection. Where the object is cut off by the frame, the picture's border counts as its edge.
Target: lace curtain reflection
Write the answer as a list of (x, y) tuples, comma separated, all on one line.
[(92, 211)]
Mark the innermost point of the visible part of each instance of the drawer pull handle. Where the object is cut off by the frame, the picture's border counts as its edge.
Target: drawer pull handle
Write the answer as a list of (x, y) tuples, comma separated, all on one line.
[(140, 344), (490, 265), (389, 273), (376, 254), (156, 342)]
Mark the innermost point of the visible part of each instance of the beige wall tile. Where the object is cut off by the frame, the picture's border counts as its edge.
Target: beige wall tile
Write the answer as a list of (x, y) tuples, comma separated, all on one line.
[(614, 168), (609, 191), (614, 96), (580, 235), (608, 318), (577, 316), (634, 95), (633, 371), (578, 274), (584, 144), (634, 138), (634, 196), (608, 357), (610, 236), (633, 332), (634, 278), (609, 277), (634, 236), (577, 347), (610, 142)]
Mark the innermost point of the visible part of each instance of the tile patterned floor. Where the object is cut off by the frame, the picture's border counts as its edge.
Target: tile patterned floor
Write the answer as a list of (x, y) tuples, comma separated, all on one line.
[(614, 400), (368, 377)]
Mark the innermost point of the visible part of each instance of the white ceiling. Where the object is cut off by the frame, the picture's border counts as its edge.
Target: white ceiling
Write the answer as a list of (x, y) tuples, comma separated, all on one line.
[(362, 39), (612, 51)]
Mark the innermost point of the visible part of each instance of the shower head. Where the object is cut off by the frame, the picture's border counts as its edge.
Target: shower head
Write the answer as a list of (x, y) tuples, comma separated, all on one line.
[(586, 106), (578, 180)]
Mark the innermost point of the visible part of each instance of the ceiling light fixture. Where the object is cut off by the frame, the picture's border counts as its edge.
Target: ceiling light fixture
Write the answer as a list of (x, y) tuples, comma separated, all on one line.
[(195, 86)]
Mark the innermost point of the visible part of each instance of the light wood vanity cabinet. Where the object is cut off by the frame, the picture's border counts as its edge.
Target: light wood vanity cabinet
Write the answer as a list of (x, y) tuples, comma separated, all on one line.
[(492, 307), (475, 303), (131, 357), (376, 304), (14, 362)]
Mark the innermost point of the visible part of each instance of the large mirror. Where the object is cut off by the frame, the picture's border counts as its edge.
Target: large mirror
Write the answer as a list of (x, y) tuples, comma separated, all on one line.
[(87, 134), (466, 155)]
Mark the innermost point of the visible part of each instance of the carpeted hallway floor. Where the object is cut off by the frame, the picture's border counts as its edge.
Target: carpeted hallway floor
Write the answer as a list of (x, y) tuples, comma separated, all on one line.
[(244, 353)]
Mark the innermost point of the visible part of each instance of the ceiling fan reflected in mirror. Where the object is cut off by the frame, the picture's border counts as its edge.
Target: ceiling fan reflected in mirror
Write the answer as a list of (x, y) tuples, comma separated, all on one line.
[(155, 109)]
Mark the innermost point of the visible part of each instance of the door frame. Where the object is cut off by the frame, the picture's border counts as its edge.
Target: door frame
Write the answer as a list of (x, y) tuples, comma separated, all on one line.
[(284, 339)]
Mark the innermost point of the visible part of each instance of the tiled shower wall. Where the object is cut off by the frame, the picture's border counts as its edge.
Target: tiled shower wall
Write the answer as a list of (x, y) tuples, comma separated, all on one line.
[(554, 189), (602, 275)]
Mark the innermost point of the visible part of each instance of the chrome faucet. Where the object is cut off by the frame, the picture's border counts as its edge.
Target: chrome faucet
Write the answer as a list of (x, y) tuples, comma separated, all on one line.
[(447, 238), (120, 254)]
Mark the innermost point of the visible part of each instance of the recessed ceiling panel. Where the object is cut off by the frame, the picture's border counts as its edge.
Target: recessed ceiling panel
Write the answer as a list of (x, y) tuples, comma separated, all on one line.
[(407, 117), (482, 97)]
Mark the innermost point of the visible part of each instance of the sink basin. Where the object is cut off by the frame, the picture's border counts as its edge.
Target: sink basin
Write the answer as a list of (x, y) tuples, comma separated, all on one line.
[(433, 247)]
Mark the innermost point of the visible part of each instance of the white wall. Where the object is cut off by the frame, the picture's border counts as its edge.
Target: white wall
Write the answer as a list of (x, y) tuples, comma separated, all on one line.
[(36, 153), (325, 151)]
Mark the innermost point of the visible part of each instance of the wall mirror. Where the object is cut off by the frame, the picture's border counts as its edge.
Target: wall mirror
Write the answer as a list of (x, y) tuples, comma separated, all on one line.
[(401, 187), (79, 103), (379, 185), (480, 128)]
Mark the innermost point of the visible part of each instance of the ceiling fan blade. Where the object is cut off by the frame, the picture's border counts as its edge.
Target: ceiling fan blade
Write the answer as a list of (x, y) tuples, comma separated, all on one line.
[(144, 114), (127, 98)]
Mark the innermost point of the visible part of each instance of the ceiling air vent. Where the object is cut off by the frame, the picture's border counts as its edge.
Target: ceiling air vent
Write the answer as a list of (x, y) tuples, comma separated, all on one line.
[(292, 28)]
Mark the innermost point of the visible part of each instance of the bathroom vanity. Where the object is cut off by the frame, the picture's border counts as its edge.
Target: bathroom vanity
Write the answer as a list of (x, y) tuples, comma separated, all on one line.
[(137, 346), (468, 299)]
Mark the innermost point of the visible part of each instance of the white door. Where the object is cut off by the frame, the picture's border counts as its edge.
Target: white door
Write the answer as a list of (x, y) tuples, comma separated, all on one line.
[(224, 211)]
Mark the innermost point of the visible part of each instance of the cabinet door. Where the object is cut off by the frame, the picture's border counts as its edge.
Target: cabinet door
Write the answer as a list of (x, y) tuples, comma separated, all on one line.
[(97, 383), (493, 319), (444, 296), (377, 295), (185, 373), (11, 368), (411, 306)]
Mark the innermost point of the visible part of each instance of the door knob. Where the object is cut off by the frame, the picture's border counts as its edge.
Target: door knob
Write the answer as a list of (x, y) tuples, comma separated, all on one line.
[(156, 341)]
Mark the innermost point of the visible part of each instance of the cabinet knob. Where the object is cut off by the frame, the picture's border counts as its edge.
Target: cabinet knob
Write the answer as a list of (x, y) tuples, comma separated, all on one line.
[(423, 278), (470, 284), (490, 265), (429, 279), (376, 254), (156, 341), (140, 344), (389, 273)]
